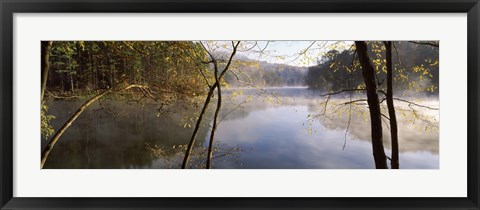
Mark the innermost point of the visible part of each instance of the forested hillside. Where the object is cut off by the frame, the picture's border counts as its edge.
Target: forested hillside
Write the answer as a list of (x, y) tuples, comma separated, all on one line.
[(267, 74), (179, 66), (85, 66)]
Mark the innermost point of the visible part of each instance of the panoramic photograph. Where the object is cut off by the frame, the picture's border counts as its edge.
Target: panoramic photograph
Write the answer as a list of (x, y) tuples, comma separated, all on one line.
[(240, 104)]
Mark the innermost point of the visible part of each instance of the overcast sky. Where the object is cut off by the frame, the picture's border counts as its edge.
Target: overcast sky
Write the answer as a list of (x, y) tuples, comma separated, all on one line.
[(297, 53)]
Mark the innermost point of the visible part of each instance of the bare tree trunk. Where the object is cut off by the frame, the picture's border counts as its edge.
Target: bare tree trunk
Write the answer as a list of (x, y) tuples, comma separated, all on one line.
[(214, 127), (72, 87), (69, 122), (373, 105), (207, 101), (197, 126), (46, 45), (391, 107)]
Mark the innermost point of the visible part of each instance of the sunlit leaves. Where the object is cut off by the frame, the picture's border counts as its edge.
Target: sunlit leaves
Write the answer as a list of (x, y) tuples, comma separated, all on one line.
[(46, 129)]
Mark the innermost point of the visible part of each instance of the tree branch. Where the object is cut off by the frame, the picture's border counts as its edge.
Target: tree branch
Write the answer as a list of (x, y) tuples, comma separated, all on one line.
[(198, 67), (345, 90), (419, 105), (61, 97), (433, 44), (354, 101), (207, 102)]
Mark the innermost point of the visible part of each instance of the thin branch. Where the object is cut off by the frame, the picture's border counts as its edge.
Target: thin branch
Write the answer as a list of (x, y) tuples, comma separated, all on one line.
[(326, 104), (256, 43), (108, 110), (419, 105), (303, 52), (236, 76), (235, 46), (198, 67), (208, 62), (232, 110), (345, 90), (349, 121), (433, 44), (385, 116), (266, 45), (354, 101), (398, 54), (208, 52), (383, 99), (353, 58), (386, 123), (134, 48), (229, 152), (382, 91), (61, 97)]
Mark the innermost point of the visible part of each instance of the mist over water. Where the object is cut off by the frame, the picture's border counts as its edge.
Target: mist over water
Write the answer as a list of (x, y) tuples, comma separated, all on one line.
[(272, 128)]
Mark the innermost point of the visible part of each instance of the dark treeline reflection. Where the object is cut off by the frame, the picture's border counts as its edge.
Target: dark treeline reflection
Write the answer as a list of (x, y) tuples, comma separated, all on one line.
[(278, 128)]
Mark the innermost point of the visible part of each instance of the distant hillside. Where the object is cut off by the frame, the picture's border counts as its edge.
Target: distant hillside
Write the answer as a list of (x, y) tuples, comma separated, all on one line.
[(265, 74)]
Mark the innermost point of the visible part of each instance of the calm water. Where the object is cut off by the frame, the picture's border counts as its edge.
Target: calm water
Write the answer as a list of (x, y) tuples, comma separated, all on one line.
[(279, 128)]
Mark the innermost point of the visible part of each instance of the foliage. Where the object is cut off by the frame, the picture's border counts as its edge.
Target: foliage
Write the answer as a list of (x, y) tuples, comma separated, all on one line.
[(87, 66), (415, 69), (46, 129)]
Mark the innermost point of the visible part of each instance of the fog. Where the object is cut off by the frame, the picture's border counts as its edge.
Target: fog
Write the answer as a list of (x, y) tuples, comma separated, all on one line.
[(267, 128)]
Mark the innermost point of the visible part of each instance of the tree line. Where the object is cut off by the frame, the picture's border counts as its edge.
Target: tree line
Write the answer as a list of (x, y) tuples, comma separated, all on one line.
[(151, 70), (415, 65), (375, 71), (265, 74), (79, 67)]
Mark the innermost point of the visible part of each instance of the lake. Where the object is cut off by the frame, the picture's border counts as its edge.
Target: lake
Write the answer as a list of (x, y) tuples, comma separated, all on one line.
[(272, 128)]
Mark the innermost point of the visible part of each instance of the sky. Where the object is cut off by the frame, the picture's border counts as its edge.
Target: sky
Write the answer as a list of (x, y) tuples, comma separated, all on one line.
[(296, 53)]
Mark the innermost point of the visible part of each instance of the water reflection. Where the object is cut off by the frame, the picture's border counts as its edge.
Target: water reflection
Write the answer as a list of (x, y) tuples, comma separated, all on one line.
[(267, 134)]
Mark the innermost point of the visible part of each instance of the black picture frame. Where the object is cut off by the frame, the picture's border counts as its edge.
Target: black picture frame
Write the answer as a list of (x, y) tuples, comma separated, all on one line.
[(9, 7)]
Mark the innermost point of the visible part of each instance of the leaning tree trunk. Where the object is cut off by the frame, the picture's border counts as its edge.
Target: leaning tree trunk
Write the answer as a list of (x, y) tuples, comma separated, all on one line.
[(197, 126), (215, 123), (373, 105), (391, 108), (69, 122), (205, 106), (46, 45)]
